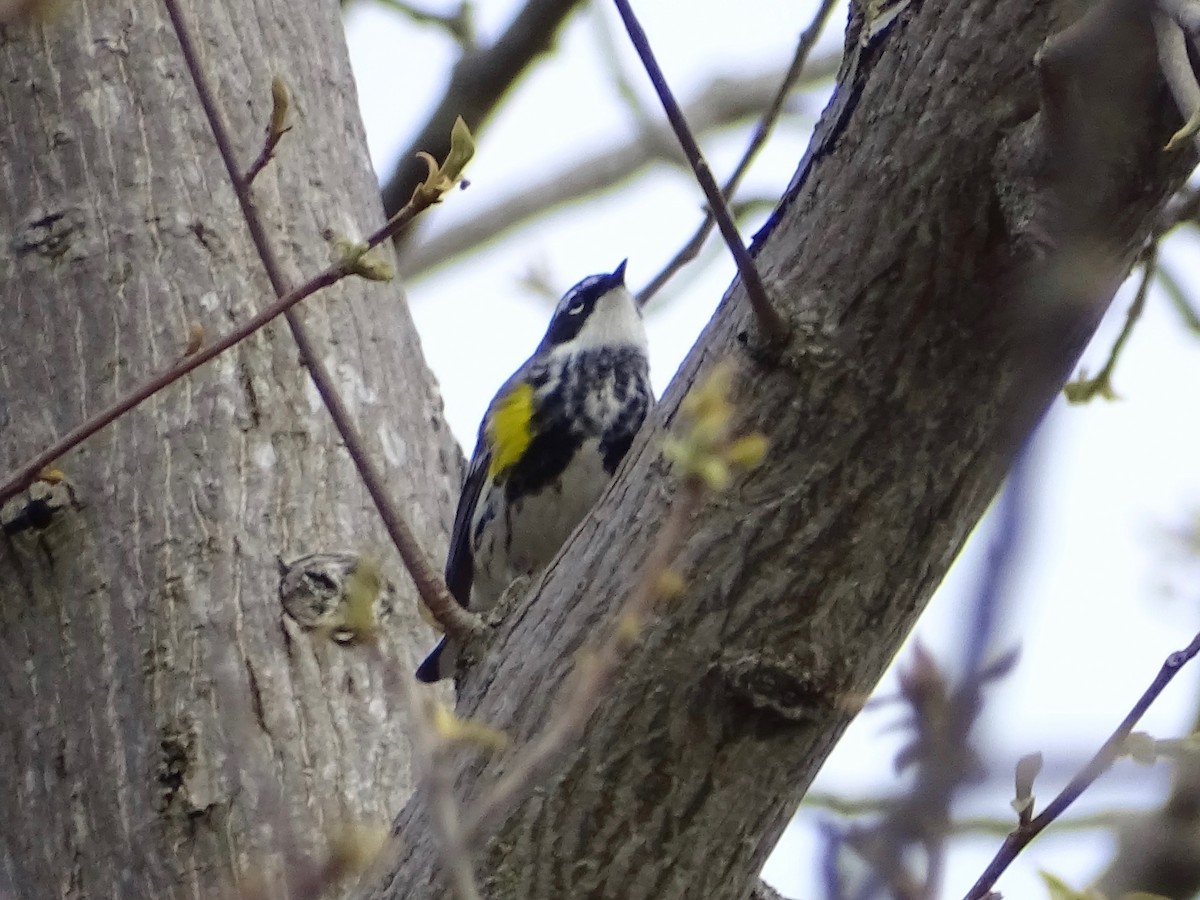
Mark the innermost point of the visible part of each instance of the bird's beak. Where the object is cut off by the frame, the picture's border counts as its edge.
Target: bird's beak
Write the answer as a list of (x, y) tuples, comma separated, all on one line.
[(618, 275)]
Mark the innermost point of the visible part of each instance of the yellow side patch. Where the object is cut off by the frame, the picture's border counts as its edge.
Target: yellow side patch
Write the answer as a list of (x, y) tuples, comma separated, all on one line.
[(509, 429)]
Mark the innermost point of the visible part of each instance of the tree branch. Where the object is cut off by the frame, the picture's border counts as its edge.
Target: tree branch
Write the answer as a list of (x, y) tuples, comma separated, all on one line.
[(479, 80), (1097, 766), (723, 102), (929, 253)]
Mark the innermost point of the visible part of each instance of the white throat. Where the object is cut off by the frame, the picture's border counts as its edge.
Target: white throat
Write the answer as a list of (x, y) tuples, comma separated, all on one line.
[(615, 322)]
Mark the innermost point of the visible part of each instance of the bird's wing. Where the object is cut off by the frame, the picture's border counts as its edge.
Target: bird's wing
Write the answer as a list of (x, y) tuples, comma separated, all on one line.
[(460, 563), (504, 435)]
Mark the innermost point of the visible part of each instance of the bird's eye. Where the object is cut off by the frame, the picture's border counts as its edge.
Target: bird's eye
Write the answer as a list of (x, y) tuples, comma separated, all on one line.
[(576, 309)]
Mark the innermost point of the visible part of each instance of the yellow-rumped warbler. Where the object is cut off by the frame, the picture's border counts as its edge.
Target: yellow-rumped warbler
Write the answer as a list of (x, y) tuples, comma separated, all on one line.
[(549, 443)]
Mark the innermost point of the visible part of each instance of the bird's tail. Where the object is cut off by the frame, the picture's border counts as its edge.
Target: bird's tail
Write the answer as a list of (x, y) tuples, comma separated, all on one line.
[(439, 664)]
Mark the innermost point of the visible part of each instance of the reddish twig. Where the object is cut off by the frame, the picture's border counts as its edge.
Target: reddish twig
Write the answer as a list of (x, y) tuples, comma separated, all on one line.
[(195, 356), (1021, 836), (773, 326), (434, 594), (26, 473)]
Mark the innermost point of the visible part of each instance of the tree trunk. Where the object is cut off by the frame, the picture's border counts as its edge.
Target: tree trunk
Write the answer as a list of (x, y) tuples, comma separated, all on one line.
[(953, 236), (167, 728)]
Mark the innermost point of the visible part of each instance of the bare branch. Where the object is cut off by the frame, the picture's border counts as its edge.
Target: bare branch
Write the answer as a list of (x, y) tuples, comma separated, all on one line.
[(479, 80), (1179, 299), (723, 102), (1084, 389), (1019, 838), (775, 330)]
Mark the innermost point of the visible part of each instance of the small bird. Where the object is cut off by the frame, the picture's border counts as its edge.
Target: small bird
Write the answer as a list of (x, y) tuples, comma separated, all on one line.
[(548, 445)]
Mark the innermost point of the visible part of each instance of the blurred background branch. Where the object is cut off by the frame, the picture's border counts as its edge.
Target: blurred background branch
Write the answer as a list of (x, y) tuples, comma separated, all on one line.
[(478, 82), (722, 103)]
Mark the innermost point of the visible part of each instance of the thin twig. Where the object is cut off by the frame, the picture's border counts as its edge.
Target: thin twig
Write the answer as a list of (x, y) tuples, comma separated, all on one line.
[(1179, 299), (1020, 838), (593, 678), (689, 251), (432, 588), (775, 330), (352, 263), (277, 127), (1084, 389)]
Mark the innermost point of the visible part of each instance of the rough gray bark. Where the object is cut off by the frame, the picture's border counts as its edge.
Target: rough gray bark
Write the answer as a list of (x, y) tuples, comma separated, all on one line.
[(951, 241), (165, 727)]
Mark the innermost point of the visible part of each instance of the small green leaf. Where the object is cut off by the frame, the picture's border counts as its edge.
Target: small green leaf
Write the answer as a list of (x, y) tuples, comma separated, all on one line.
[(1060, 890), (1084, 389), (1190, 128)]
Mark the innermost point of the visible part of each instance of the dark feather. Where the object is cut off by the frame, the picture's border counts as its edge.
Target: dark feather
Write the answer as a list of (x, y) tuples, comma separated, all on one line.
[(460, 563), (430, 671)]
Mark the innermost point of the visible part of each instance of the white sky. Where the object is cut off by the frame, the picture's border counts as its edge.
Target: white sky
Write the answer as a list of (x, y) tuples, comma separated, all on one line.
[(1098, 602)]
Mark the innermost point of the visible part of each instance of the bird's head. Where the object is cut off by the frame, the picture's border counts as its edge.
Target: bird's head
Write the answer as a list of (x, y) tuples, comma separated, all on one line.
[(597, 312)]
